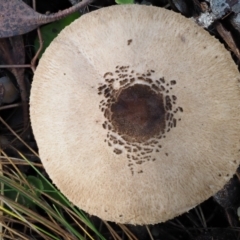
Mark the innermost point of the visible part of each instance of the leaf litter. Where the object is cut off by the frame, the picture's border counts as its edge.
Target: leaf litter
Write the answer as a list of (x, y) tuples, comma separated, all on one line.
[(17, 18)]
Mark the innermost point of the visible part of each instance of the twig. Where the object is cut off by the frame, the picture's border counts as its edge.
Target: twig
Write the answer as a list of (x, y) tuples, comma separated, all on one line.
[(11, 106), (227, 37), (33, 62), (16, 66), (56, 16)]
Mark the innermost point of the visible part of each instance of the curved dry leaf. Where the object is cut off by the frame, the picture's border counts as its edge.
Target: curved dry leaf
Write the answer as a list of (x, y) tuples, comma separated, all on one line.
[(17, 18)]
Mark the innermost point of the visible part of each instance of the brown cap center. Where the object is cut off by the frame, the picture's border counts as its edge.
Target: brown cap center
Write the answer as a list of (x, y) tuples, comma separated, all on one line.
[(138, 113)]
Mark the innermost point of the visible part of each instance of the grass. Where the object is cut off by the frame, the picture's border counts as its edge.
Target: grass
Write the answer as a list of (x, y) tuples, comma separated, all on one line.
[(38, 206), (32, 206)]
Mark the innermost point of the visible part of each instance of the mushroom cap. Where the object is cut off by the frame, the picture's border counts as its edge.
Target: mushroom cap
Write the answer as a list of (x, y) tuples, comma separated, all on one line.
[(135, 110)]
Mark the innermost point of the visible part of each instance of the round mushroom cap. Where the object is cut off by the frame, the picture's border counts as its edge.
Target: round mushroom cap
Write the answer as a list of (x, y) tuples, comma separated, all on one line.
[(135, 110)]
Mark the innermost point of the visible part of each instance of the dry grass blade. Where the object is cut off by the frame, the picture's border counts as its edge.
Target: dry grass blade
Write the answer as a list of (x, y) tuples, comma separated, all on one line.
[(74, 215), (14, 233), (149, 232), (129, 234), (111, 230), (17, 136), (180, 226), (201, 217), (17, 18), (80, 226), (20, 212), (6, 160), (30, 194), (55, 212)]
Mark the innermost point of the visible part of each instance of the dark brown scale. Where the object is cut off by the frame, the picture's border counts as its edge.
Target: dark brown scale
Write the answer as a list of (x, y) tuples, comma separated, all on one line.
[(162, 80), (107, 73), (117, 151)]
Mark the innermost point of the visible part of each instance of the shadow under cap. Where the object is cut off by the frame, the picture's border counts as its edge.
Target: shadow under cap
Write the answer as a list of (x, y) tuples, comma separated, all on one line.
[(141, 109)]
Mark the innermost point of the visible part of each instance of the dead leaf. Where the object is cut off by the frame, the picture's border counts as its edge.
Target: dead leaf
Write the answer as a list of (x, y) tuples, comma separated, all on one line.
[(17, 18)]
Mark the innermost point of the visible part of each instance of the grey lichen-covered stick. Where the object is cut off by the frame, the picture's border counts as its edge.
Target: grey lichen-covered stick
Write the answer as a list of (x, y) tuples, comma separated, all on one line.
[(136, 111)]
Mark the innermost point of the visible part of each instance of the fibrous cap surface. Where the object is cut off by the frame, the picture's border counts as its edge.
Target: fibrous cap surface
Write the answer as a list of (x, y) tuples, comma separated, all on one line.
[(183, 143)]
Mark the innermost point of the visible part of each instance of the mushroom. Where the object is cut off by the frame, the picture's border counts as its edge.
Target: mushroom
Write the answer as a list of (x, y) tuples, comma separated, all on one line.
[(135, 110)]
